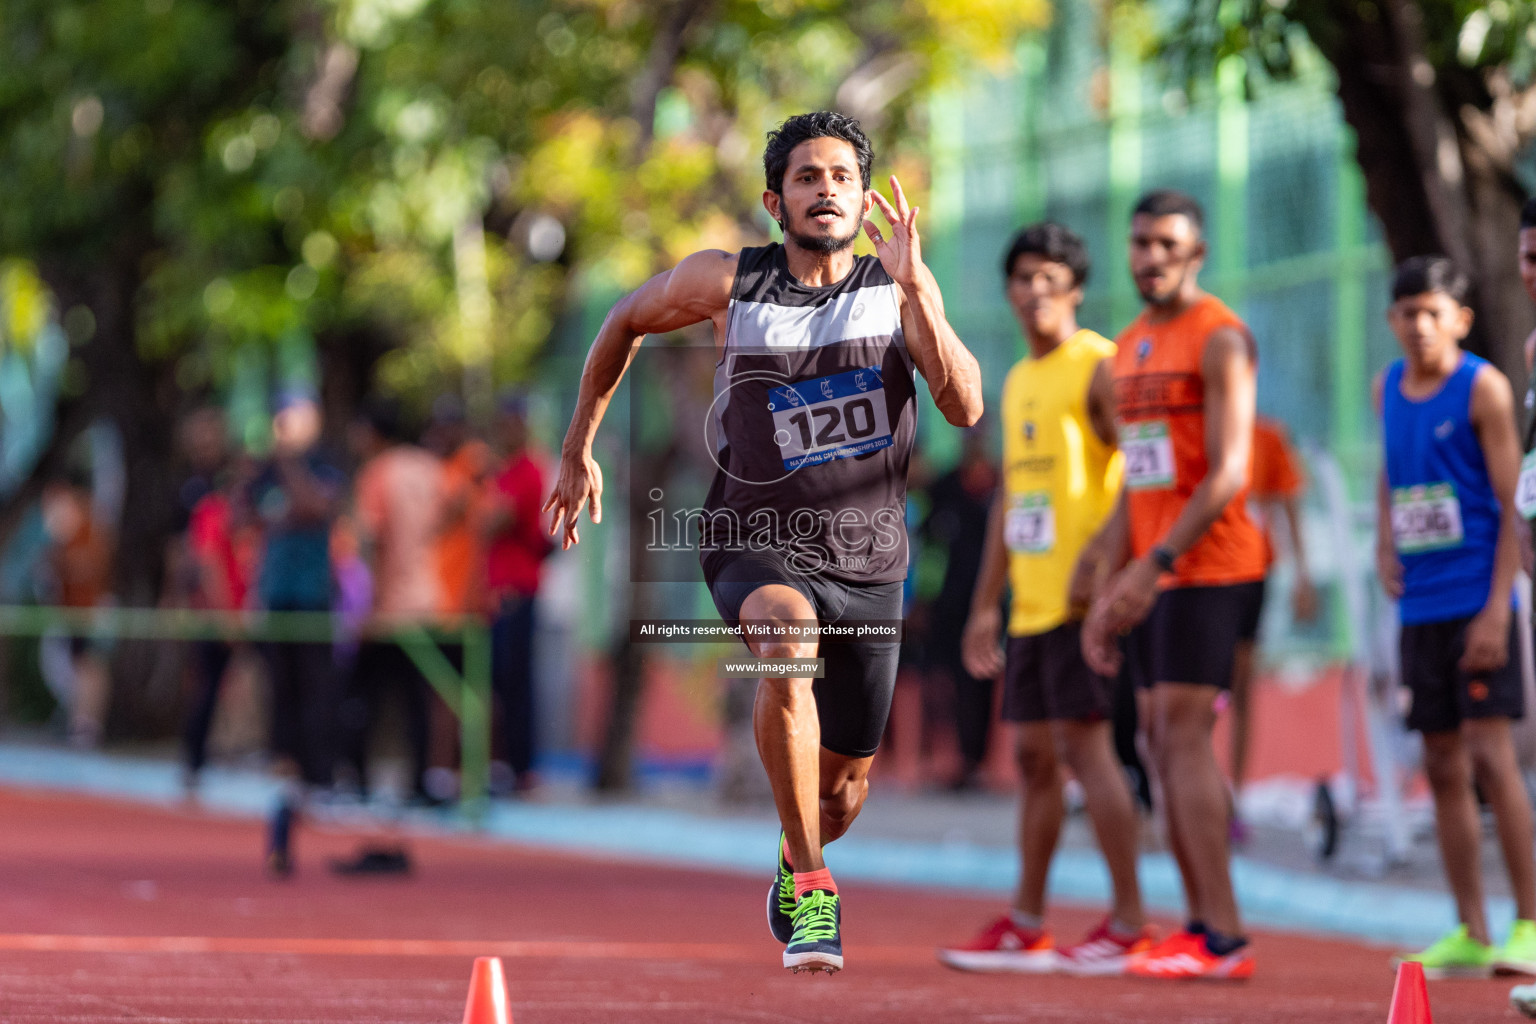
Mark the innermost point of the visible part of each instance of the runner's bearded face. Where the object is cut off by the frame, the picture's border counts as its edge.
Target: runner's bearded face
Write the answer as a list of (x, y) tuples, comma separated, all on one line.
[(1528, 261), (1044, 297), (1429, 327), (822, 201), (1165, 252)]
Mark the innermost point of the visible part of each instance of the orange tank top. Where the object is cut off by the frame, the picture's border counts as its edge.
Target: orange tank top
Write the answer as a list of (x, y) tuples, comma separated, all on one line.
[(1160, 398)]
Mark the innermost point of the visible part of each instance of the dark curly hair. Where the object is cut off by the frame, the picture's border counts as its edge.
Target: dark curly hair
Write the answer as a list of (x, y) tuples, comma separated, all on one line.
[(1419, 275), (1055, 243), (823, 124)]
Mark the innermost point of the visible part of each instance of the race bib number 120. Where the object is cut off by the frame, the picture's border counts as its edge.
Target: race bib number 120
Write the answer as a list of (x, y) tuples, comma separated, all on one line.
[(836, 417), (1426, 517), (1031, 523), (1148, 455)]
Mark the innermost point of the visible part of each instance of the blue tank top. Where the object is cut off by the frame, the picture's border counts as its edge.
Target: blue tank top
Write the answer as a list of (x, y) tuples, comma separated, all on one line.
[(1445, 518)]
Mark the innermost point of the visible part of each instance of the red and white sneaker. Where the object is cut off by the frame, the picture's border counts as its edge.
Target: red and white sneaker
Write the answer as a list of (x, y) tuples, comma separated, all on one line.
[(1004, 946), (1103, 953), (1183, 955)]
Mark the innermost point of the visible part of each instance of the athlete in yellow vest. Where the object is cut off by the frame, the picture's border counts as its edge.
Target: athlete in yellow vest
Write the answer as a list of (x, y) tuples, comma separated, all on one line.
[(1061, 477)]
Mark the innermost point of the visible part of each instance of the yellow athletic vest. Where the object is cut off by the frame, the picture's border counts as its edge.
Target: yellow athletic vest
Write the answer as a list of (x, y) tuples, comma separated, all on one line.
[(1059, 480)]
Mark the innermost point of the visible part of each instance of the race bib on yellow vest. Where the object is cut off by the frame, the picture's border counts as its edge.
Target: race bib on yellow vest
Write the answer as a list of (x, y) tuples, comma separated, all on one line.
[(1030, 526)]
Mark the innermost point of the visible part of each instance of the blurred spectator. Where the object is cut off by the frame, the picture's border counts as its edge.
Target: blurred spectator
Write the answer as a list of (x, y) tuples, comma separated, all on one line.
[(294, 498), (1274, 495), (959, 502), (205, 447), (467, 462), (398, 504), (518, 542), (204, 454), (221, 551), (78, 567)]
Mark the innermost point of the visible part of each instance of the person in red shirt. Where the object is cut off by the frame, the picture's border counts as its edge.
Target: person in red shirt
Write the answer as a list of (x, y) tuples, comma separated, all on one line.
[(222, 547), (517, 541)]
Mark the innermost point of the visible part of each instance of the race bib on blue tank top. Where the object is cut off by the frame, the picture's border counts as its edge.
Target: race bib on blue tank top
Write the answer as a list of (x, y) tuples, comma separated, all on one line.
[(1426, 518)]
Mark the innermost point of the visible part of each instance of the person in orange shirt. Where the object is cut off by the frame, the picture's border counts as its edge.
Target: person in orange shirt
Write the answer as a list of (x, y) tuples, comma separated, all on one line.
[(1184, 558), (79, 567), (1275, 494), (467, 462)]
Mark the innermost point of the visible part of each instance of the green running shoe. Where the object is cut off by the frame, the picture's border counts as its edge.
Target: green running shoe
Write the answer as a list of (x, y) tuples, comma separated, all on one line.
[(1455, 955), (817, 943), (1518, 955), (781, 899)]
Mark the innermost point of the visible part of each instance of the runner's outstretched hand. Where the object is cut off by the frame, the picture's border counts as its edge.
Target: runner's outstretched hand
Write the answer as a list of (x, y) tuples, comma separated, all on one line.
[(580, 482), (898, 247)]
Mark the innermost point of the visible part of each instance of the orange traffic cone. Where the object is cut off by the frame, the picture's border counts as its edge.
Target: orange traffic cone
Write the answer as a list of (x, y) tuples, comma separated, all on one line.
[(1410, 996), (487, 1003)]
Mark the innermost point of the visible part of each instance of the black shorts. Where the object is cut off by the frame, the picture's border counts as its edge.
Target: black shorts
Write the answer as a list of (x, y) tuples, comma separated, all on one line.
[(853, 700), (1443, 695), (1252, 596), (1047, 680), (1190, 636)]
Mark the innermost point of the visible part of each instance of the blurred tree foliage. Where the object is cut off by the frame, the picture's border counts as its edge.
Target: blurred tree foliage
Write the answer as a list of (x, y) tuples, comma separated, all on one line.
[(1441, 95), (411, 185)]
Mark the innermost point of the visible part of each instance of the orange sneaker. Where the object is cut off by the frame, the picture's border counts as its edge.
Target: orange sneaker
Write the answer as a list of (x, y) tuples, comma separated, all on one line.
[(1183, 955), (1004, 946), (1103, 953)]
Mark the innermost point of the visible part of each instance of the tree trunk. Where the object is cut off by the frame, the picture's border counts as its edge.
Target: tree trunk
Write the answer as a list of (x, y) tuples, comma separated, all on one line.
[(1435, 186)]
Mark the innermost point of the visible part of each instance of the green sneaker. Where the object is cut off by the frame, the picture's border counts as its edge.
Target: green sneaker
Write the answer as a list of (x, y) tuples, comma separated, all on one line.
[(781, 899), (1518, 955), (817, 944), (1455, 955)]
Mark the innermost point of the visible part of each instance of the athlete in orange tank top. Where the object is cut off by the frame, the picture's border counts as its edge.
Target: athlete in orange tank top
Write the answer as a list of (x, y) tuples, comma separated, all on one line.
[(1160, 397), (1183, 553)]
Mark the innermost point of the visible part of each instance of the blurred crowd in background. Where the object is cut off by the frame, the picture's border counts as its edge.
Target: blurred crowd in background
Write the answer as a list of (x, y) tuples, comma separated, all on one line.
[(427, 520), (412, 523)]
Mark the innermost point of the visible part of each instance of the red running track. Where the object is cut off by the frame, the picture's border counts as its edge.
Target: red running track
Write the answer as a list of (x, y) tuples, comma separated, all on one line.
[(117, 913)]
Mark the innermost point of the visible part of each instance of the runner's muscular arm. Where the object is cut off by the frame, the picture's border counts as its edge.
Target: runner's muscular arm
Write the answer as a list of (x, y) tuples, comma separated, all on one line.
[(952, 373), (1230, 391), (697, 289), (1493, 417)]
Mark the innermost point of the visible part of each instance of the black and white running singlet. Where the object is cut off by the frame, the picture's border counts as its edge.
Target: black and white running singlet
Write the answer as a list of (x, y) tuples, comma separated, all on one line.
[(813, 421)]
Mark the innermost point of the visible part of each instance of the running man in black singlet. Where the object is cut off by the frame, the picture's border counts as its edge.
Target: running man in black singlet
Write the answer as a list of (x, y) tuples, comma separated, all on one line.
[(812, 427)]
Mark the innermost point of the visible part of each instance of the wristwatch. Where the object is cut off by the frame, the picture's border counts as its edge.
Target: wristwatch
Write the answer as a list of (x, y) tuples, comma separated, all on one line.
[(1163, 557)]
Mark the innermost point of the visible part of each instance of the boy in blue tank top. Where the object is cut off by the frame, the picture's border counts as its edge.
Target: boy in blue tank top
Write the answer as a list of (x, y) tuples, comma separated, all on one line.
[(1448, 550)]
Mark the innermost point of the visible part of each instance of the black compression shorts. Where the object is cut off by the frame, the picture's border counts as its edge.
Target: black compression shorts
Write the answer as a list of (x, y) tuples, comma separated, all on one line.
[(1046, 679), (1444, 695), (853, 699), (1190, 636)]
